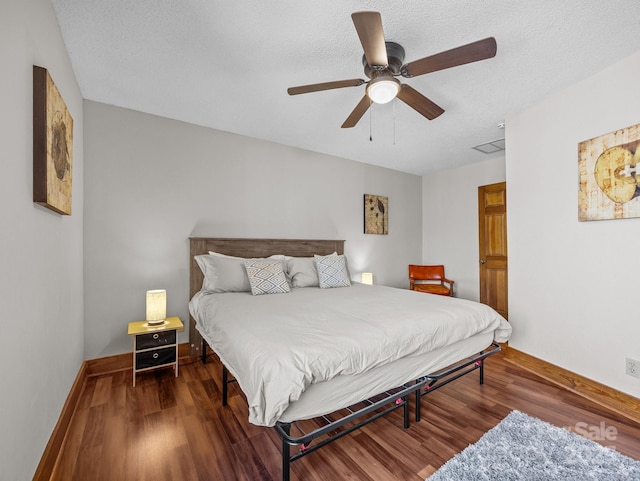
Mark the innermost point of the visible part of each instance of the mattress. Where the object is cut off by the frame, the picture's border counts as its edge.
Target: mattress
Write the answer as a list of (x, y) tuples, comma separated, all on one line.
[(312, 351)]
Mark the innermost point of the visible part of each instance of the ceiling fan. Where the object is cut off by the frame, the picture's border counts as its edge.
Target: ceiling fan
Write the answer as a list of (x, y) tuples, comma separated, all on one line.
[(384, 61)]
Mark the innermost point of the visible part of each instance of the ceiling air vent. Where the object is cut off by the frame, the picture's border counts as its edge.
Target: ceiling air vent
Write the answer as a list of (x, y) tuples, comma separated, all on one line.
[(490, 147)]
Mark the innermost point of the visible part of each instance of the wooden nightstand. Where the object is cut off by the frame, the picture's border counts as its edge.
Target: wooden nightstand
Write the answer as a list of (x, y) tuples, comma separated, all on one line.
[(155, 346)]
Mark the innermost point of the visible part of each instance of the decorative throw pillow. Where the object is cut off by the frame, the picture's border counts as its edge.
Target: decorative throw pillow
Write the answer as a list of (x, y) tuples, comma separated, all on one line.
[(266, 276), (332, 271)]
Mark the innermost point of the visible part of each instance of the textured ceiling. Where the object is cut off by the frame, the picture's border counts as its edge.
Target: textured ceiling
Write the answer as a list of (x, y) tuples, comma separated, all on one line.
[(227, 65)]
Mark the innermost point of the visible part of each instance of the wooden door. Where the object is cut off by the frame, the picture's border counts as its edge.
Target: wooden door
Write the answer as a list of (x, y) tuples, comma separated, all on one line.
[(492, 220)]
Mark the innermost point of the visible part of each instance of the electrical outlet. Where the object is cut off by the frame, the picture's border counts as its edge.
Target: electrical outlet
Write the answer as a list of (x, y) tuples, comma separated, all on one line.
[(633, 367)]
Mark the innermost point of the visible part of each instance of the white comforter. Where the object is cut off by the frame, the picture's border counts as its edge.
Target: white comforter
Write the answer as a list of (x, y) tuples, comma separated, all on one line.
[(276, 345)]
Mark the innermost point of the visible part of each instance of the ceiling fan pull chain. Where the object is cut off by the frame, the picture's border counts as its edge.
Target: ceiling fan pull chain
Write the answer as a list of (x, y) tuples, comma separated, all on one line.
[(370, 122)]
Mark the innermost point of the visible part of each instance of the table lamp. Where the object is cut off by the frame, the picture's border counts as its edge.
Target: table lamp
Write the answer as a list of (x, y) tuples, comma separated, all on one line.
[(156, 307)]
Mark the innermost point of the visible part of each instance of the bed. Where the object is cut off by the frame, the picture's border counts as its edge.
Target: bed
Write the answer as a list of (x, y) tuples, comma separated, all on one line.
[(311, 352)]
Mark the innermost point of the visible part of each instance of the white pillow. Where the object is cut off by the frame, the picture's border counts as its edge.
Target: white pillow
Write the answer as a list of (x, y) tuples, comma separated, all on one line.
[(223, 274), (211, 253), (266, 276), (280, 257), (332, 271), (302, 272)]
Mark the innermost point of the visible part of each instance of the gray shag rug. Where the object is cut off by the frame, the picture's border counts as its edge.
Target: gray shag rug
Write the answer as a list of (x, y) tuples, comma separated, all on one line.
[(523, 448)]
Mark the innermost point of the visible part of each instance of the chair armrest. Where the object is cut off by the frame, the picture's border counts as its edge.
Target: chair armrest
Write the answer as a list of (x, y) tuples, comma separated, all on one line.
[(450, 282)]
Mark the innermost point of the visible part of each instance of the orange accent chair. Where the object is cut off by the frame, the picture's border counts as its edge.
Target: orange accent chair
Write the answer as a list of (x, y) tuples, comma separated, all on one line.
[(430, 279)]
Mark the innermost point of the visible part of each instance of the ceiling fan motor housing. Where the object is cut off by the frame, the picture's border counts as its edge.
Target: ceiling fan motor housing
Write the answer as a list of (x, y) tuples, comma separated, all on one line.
[(395, 57)]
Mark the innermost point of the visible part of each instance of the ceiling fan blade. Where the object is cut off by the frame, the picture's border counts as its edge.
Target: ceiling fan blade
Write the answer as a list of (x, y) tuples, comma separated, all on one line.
[(369, 28), (358, 112), (419, 102), (304, 89), (472, 52)]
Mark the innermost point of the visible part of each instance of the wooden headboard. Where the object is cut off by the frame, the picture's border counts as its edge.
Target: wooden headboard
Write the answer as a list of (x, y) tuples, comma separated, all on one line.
[(249, 248)]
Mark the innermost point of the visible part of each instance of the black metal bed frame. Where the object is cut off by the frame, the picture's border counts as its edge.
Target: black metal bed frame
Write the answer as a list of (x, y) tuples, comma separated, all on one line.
[(373, 409)]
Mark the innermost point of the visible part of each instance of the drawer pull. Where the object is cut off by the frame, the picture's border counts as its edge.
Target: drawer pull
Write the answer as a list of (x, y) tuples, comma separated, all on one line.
[(155, 355), (156, 336)]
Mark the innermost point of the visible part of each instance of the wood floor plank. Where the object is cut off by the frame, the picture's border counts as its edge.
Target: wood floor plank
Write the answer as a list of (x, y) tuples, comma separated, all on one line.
[(185, 403), (254, 455), (182, 466), (204, 457), (169, 428), (115, 437), (387, 439), (225, 458), (86, 467), (375, 459), (102, 391)]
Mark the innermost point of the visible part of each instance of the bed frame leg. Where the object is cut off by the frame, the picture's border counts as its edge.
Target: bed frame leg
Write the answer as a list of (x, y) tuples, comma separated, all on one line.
[(225, 384), (286, 453), (418, 400), (204, 352), (406, 411), (481, 361)]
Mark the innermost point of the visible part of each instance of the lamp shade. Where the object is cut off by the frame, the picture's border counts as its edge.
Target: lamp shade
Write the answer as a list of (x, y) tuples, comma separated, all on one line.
[(156, 306), (367, 278)]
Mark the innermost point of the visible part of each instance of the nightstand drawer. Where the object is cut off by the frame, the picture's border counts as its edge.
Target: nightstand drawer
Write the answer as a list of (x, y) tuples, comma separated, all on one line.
[(155, 339), (156, 357)]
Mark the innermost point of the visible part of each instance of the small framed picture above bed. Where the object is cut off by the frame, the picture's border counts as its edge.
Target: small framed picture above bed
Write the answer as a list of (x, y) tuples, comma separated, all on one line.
[(376, 214)]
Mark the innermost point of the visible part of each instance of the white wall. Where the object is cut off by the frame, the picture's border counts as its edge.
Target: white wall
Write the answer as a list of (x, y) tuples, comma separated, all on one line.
[(41, 292), (573, 286), (152, 182), (450, 221)]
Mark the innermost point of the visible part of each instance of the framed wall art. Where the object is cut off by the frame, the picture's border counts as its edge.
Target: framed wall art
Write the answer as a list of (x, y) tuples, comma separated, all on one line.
[(376, 214), (609, 176), (52, 145)]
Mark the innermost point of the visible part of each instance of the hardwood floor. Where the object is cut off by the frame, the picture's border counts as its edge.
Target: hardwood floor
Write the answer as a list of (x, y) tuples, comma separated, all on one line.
[(171, 428)]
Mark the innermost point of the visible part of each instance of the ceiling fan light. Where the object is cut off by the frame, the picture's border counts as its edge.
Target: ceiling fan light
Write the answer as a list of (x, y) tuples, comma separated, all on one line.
[(382, 91)]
